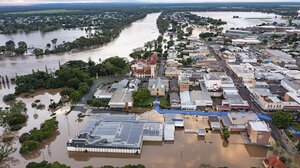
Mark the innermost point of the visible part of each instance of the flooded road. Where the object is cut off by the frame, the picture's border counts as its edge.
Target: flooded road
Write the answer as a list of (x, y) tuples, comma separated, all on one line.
[(130, 38)]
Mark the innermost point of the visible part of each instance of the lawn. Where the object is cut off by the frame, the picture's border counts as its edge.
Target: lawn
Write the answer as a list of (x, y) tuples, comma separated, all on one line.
[(164, 103), (52, 11), (147, 103)]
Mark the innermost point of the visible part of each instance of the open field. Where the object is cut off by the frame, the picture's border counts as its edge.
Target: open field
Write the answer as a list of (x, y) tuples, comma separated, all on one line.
[(52, 11)]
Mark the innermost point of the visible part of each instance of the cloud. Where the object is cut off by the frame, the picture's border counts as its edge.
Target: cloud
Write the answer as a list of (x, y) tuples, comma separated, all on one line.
[(148, 1)]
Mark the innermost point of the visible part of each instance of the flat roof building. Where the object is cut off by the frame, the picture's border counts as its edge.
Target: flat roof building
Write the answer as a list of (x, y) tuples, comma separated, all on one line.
[(115, 134)]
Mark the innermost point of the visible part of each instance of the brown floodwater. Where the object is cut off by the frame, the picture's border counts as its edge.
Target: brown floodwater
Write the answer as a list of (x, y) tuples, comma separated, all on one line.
[(133, 36), (186, 151)]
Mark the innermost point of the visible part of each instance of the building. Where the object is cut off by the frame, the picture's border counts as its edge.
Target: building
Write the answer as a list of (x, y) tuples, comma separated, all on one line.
[(237, 33), (186, 101), (145, 68), (290, 86), (267, 100), (172, 72), (245, 41), (183, 82), (245, 72), (273, 162), (237, 121), (115, 134), (235, 102), (103, 94), (175, 100), (279, 56), (158, 86), (258, 132), (122, 98), (214, 122), (175, 119), (169, 132), (201, 98)]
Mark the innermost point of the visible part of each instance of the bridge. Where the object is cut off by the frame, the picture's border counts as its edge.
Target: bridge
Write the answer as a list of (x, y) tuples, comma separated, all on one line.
[(200, 113)]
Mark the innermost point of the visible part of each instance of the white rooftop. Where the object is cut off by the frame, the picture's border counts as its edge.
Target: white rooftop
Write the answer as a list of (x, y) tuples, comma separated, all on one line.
[(259, 126)]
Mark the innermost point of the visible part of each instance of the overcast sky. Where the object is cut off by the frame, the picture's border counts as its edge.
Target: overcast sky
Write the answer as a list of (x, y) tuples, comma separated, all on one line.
[(149, 1)]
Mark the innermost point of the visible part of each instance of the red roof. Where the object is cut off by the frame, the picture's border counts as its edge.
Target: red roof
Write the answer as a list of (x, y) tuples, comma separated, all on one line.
[(275, 162)]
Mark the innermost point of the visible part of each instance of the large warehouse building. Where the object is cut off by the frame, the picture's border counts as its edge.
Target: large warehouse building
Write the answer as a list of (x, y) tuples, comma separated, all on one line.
[(115, 134)]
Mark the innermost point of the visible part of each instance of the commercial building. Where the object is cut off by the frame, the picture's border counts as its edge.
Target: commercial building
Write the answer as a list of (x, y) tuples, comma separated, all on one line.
[(174, 100), (201, 98), (245, 72), (122, 98), (258, 132), (237, 33), (214, 122), (266, 99), (183, 82), (172, 72), (174, 119), (278, 56), (186, 101), (115, 134), (290, 86), (237, 121)]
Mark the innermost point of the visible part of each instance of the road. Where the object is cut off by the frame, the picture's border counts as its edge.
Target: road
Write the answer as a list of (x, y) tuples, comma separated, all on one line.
[(80, 106), (246, 95)]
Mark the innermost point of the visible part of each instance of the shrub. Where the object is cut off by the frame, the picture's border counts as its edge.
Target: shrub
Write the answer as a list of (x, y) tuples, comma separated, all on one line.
[(9, 97)]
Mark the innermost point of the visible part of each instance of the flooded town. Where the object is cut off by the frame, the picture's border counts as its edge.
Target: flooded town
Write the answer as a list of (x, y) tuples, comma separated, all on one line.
[(89, 85)]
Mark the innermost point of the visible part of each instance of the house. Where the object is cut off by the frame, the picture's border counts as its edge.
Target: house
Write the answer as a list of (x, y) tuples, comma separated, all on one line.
[(122, 98), (158, 86), (258, 132), (214, 122), (145, 68), (174, 100), (273, 162)]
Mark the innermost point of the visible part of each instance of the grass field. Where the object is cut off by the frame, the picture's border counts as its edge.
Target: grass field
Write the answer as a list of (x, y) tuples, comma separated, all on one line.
[(52, 11)]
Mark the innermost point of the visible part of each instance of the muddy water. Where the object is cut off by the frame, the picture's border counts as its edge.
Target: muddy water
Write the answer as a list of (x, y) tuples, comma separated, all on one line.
[(187, 150), (130, 38)]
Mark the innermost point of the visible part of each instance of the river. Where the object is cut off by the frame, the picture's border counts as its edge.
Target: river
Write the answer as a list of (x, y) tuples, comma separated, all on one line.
[(132, 37), (186, 151)]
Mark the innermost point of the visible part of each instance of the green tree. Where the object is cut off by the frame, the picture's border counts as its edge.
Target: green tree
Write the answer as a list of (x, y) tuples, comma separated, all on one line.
[(225, 133), (83, 88), (54, 41), (75, 96), (22, 47), (10, 46), (5, 150), (9, 97), (282, 119), (141, 95), (38, 52)]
